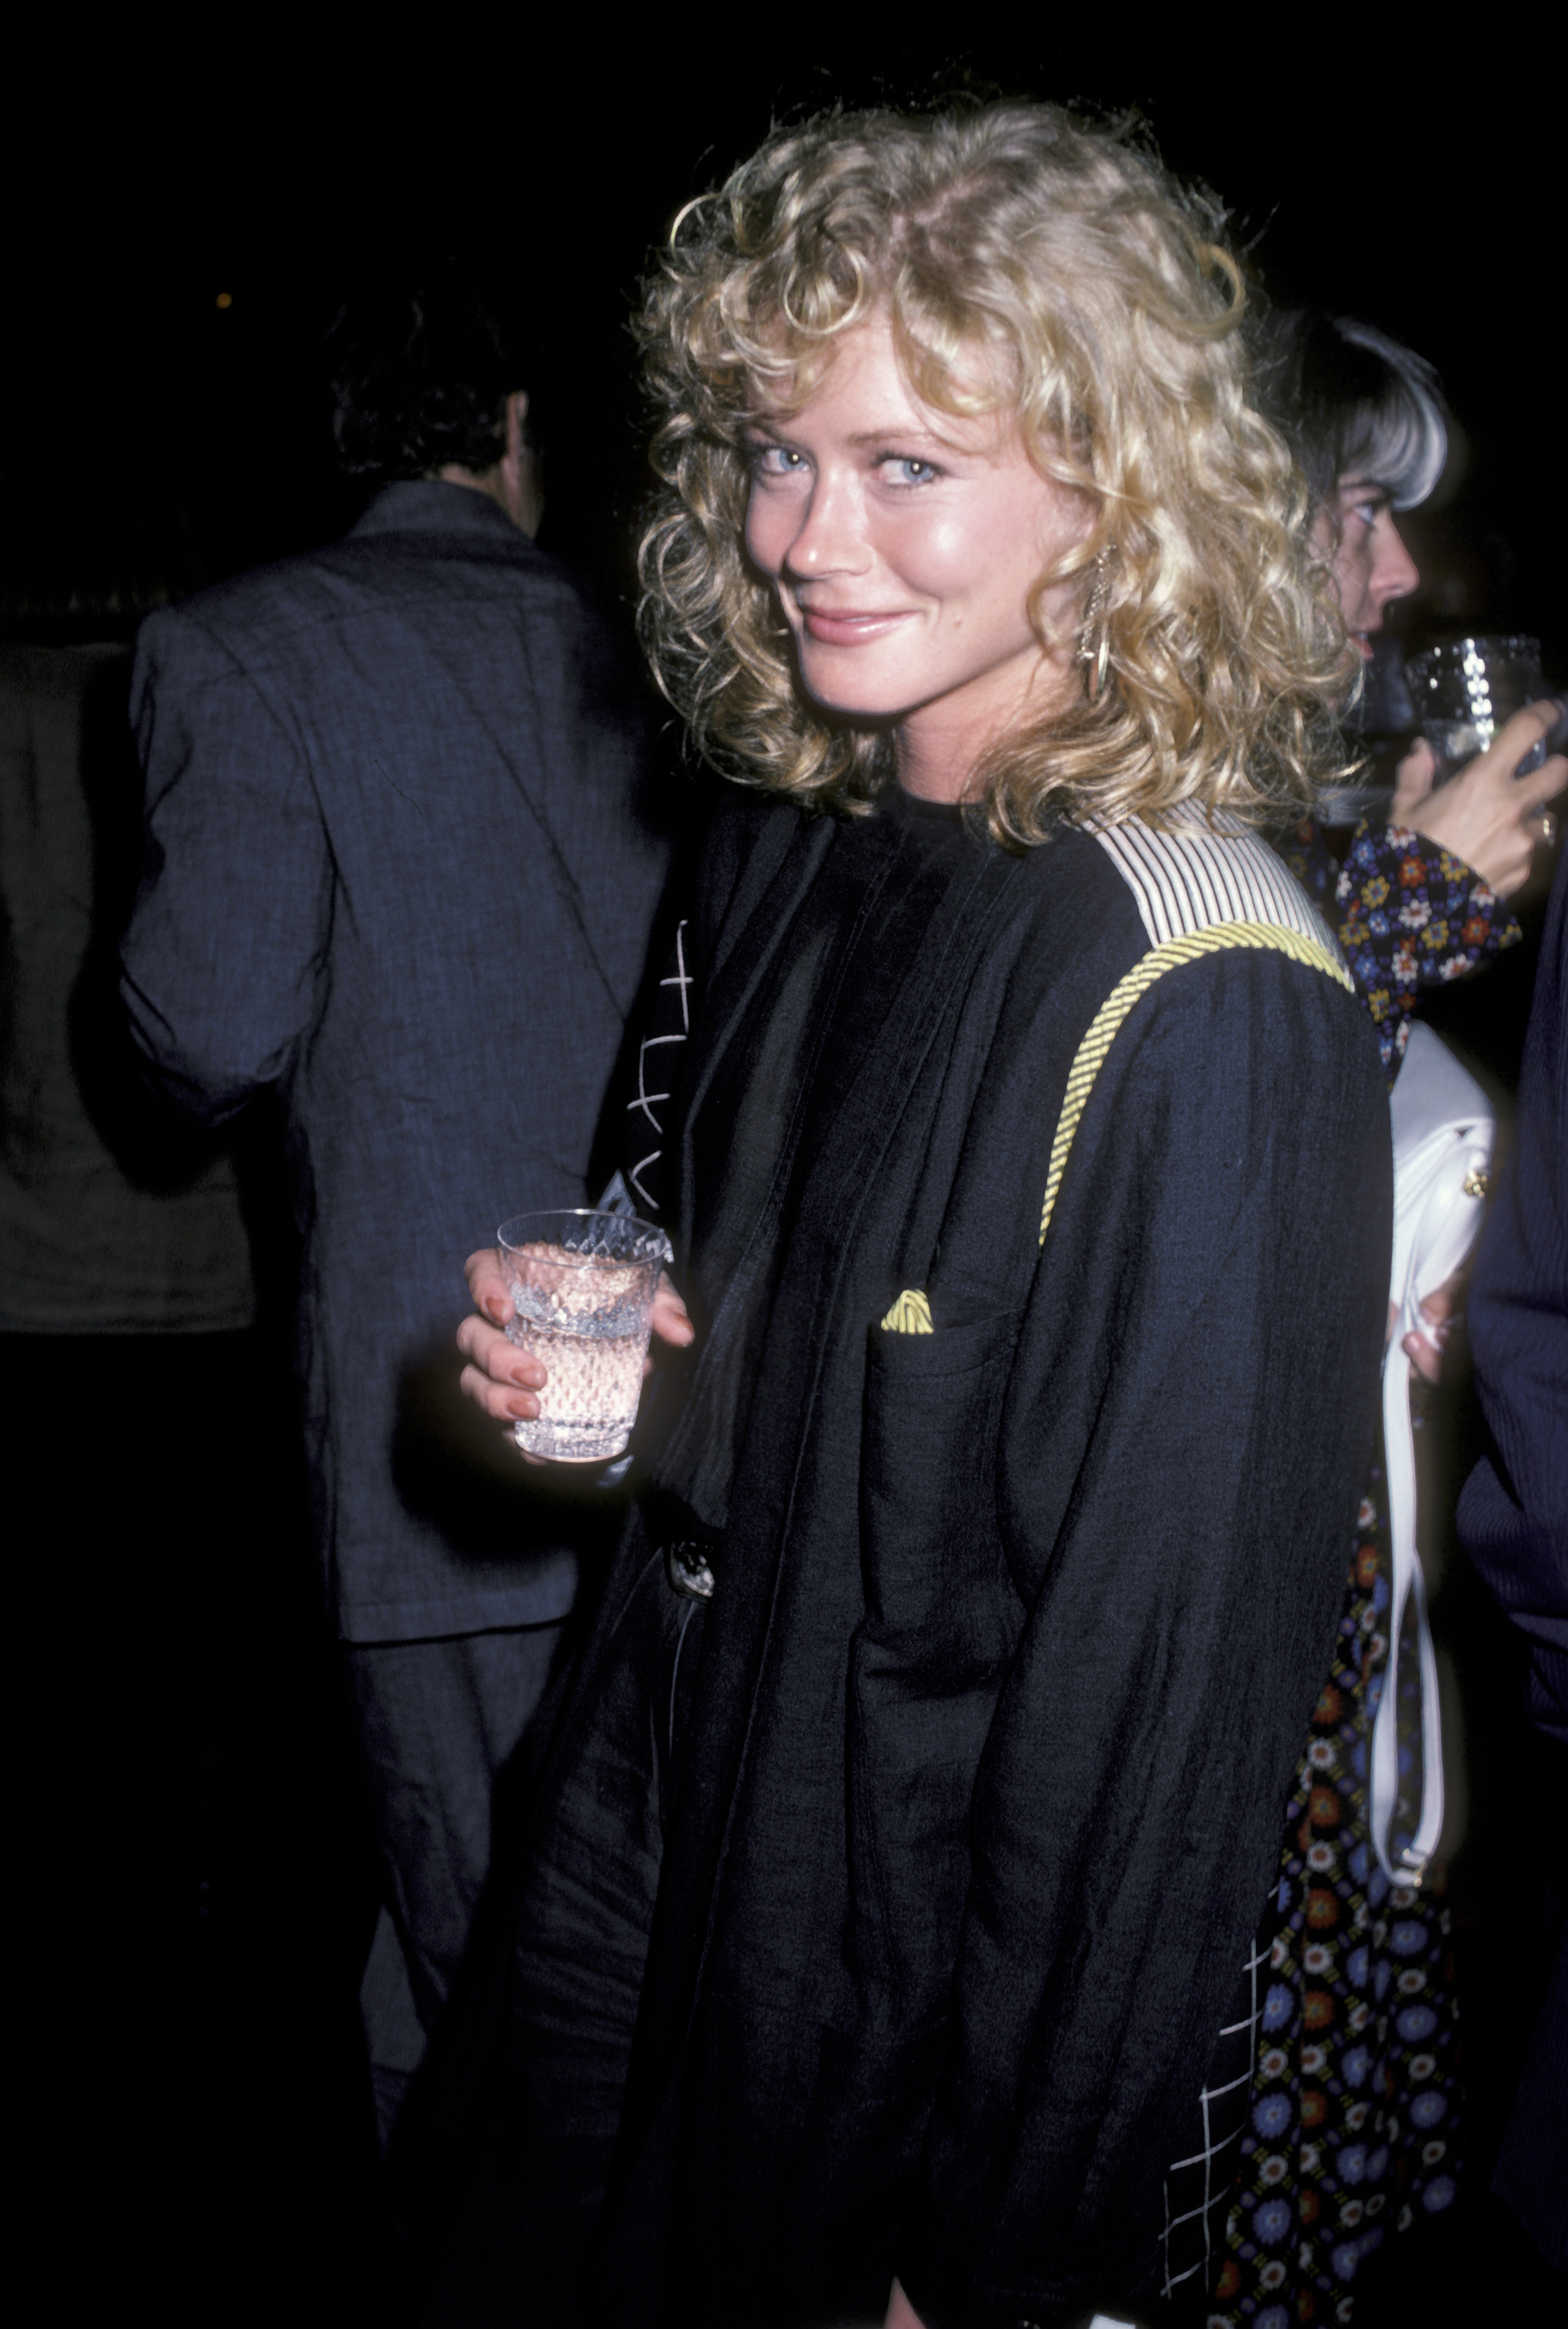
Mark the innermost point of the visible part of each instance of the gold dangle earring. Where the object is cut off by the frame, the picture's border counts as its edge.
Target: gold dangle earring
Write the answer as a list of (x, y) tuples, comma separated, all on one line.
[(1095, 636)]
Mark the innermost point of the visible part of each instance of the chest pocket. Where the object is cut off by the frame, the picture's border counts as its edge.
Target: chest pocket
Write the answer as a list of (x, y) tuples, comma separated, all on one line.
[(933, 1402)]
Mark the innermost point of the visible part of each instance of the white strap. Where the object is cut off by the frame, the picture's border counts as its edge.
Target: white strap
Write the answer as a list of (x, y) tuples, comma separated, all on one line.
[(1407, 1583), (1442, 1220)]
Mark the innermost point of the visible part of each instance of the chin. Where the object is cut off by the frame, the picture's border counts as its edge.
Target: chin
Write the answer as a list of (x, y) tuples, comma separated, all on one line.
[(837, 694), (866, 715)]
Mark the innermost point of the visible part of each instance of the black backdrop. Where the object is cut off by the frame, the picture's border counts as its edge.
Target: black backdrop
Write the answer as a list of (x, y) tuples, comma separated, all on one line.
[(207, 2088), (268, 166), (1415, 188)]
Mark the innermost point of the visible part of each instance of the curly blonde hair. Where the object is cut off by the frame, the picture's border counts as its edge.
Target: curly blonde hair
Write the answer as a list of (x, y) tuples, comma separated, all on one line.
[(1107, 317)]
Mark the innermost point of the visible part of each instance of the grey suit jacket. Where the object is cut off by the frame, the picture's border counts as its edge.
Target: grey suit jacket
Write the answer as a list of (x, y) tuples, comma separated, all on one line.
[(398, 866)]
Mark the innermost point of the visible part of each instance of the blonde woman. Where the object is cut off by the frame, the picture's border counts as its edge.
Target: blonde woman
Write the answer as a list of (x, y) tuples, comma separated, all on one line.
[(910, 1811)]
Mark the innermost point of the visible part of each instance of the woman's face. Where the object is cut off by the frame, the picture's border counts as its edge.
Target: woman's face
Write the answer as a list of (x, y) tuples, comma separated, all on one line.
[(904, 546), (1371, 563)]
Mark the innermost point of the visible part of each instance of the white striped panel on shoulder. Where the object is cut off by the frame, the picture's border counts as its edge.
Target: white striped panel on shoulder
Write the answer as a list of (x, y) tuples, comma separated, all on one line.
[(1194, 876)]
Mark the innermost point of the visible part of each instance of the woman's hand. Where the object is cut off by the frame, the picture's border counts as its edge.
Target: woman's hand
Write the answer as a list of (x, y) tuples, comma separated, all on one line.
[(671, 1322), (1424, 1346), (504, 1380), (1486, 814)]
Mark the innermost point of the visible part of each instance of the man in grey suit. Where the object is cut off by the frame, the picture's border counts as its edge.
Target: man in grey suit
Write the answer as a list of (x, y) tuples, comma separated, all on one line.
[(398, 869)]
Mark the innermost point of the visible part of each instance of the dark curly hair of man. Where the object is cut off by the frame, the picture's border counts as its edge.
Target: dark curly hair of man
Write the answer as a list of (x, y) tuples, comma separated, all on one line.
[(420, 372)]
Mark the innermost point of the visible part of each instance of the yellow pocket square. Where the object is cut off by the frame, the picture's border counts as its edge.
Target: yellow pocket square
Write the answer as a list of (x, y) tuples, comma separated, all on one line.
[(910, 1315)]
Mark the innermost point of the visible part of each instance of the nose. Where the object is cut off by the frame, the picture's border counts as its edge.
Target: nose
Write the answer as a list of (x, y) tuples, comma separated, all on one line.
[(830, 537), (1395, 573)]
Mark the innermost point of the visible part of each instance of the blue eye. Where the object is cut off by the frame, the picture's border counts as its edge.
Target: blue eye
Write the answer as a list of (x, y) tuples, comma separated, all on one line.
[(909, 468), (776, 461)]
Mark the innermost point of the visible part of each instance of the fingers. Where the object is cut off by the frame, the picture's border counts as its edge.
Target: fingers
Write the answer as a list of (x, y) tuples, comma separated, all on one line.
[(487, 1286), (1425, 1345), (670, 1321), (502, 1404), (502, 1380), (1521, 734), (1411, 781), (498, 1378), (1516, 739), (1425, 1356), (1493, 769), (1439, 1306), (488, 1348), (1486, 815), (1543, 784)]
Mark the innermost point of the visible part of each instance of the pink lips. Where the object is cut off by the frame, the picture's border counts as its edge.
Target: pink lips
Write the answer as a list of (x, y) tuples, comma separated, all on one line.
[(847, 626)]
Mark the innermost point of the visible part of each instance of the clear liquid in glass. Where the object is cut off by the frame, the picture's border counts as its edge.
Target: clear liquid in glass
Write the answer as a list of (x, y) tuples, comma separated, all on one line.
[(587, 1323)]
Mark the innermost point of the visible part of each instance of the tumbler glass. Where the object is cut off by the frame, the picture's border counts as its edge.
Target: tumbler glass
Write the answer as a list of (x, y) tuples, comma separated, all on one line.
[(582, 1287), (1464, 692)]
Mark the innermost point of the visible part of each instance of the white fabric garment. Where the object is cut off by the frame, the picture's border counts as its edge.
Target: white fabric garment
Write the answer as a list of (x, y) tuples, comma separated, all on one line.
[(1443, 1133)]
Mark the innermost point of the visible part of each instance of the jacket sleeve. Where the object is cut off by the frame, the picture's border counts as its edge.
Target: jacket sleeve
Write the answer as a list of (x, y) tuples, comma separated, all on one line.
[(1513, 1515), (1189, 1413), (1410, 915), (223, 967)]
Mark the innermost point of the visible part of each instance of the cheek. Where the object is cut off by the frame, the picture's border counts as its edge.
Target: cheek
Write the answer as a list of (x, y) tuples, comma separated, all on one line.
[(1352, 573), (955, 555), (1030, 527), (771, 524)]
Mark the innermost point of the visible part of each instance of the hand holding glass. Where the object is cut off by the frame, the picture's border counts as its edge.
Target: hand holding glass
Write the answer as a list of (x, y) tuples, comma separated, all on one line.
[(582, 1287), (1465, 691)]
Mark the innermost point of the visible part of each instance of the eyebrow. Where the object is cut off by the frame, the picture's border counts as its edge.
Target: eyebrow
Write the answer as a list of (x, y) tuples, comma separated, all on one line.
[(898, 432), (904, 430)]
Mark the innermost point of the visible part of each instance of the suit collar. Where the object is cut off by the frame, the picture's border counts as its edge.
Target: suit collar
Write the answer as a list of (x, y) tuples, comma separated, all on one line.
[(432, 505)]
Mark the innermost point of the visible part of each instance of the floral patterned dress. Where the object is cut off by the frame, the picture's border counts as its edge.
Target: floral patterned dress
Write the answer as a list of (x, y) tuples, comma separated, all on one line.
[(1352, 2114)]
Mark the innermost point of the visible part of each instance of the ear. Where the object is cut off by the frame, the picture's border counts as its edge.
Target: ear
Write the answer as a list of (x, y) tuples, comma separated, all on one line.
[(521, 496)]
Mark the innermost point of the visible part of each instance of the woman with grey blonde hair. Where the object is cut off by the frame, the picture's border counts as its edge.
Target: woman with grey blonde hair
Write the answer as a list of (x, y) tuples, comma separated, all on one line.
[(899, 1834)]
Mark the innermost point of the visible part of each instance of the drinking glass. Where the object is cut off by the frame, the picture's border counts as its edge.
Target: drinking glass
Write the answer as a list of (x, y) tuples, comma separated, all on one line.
[(1463, 693), (582, 1286)]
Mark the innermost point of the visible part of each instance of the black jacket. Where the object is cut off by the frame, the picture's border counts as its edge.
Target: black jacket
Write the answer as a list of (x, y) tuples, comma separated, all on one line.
[(1019, 1622)]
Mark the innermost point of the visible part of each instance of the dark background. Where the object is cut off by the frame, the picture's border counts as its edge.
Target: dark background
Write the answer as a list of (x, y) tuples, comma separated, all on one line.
[(1387, 186), (200, 1894)]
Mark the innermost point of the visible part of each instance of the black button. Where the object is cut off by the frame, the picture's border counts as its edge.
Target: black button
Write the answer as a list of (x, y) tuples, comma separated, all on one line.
[(688, 1569)]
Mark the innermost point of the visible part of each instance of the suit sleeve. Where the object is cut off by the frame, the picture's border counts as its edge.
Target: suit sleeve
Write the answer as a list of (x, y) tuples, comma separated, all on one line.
[(223, 967), (1514, 1513), (1188, 1417)]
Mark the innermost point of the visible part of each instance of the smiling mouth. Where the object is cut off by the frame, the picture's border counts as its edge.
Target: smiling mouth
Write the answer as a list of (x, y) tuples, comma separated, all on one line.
[(849, 626)]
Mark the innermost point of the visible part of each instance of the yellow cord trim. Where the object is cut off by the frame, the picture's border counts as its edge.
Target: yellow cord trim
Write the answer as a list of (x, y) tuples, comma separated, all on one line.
[(1107, 1019), (910, 1315)]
